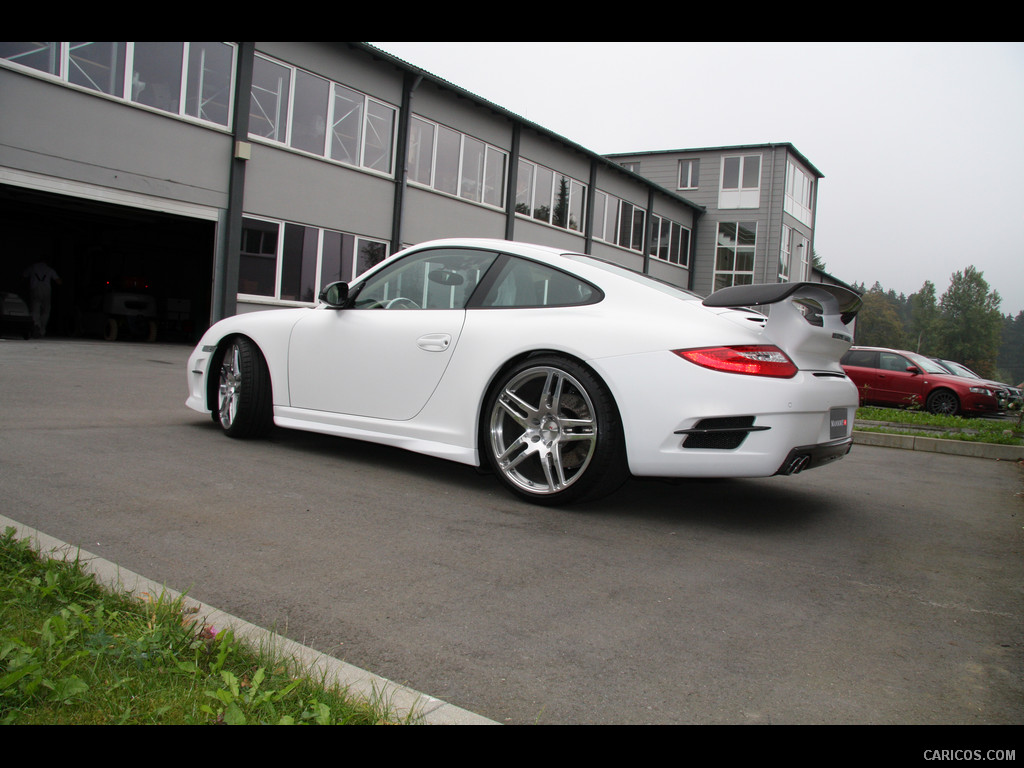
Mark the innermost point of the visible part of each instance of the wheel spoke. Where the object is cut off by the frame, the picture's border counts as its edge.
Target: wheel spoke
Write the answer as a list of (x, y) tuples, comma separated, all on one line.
[(543, 430), (510, 402), (230, 386)]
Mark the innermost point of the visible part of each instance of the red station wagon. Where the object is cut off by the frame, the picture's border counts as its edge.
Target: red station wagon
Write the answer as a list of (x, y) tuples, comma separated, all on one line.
[(898, 379)]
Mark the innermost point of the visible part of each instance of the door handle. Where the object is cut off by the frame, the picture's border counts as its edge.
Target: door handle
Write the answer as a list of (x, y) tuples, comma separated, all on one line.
[(434, 342)]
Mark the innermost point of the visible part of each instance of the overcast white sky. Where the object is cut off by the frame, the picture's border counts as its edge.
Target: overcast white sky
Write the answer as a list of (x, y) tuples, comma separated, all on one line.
[(921, 144)]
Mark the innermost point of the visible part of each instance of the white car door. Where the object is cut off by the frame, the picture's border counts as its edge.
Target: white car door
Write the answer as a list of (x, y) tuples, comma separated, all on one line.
[(384, 355)]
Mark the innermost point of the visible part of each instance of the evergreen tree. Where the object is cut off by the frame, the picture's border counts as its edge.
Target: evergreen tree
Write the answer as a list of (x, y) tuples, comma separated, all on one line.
[(971, 322), (1011, 350), (924, 319), (878, 322)]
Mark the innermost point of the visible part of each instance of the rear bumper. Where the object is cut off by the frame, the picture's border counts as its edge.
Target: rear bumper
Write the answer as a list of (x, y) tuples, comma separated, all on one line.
[(709, 424), (811, 456)]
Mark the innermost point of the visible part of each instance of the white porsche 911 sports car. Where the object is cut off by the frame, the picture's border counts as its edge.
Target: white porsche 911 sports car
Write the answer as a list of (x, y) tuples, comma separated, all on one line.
[(561, 373)]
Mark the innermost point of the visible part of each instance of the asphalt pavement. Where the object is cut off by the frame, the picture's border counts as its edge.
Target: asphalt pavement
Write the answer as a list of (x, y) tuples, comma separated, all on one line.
[(73, 411)]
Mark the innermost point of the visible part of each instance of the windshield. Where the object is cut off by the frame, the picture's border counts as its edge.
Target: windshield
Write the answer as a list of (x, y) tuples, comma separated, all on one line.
[(926, 365), (960, 370)]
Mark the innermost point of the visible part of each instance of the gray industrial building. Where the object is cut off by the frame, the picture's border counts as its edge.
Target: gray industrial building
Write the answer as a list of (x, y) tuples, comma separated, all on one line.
[(216, 178)]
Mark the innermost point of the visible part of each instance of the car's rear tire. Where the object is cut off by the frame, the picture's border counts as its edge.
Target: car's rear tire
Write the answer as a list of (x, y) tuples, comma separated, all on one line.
[(552, 433), (244, 403), (943, 402)]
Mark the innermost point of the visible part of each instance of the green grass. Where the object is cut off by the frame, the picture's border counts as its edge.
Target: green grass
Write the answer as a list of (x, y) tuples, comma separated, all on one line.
[(72, 652), (900, 421)]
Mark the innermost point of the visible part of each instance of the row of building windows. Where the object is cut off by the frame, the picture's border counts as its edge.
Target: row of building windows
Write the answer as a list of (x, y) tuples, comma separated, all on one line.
[(551, 197), (740, 182), (298, 109), (312, 114), (185, 79), (456, 164), (291, 262)]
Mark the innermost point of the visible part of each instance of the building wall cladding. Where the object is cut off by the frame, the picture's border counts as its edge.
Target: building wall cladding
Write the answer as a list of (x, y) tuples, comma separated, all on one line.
[(663, 168), (79, 136), (66, 133)]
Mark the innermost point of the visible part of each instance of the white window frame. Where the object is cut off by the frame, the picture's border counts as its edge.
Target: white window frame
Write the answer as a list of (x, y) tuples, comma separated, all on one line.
[(799, 197), (613, 227), (321, 232), (794, 244), (689, 173), (785, 254), (725, 277), (366, 119), (576, 205), (473, 185), (61, 54), (677, 248), (744, 194)]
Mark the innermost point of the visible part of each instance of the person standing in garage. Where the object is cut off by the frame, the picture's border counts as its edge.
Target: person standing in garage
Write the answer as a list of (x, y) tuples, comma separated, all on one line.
[(40, 276)]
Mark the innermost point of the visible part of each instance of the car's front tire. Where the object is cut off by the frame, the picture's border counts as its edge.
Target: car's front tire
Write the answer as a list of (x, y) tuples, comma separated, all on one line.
[(943, 402), (244, 404), (552, 432)]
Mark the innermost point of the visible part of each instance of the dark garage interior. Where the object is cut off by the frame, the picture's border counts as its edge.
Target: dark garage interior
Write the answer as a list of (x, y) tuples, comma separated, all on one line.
[(126, 274)]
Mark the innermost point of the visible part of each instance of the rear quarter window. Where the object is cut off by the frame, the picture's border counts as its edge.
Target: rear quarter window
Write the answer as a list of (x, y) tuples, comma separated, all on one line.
[(524, 283)]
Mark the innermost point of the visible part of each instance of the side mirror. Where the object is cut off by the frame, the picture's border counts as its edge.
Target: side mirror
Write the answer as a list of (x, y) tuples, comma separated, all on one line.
[(335, 295), (913, 369)]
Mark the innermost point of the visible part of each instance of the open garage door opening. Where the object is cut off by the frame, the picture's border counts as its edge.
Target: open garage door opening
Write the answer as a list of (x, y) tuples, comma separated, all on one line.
[(124, 273)]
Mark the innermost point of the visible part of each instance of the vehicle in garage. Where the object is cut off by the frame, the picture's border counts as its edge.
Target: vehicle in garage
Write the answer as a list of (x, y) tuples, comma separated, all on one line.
[(15, 316), (560, 372)]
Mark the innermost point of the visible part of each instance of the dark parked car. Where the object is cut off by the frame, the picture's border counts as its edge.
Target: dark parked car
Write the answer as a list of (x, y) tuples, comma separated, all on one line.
[(15, 317), (899, 379)]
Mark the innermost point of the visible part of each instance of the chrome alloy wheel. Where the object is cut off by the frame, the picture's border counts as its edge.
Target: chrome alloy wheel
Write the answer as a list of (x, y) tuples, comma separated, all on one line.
[(543, 430), (230, 391)]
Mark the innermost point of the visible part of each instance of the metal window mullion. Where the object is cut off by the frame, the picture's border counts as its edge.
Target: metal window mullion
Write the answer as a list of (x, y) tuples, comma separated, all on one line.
[(332, 98), (317, 277), (113, 70), (129, 70), (58, 56), (289, 107), (434, 142), (533, 188), (182, 89), (201, 86), (458, 172), (279, 259), (361, 149)]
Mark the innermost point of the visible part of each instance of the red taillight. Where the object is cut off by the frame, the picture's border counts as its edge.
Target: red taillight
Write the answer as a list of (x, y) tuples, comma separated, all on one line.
[(749, 360)]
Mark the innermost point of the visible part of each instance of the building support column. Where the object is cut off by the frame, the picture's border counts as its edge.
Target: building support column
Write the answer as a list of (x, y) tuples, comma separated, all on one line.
[(225, 278)]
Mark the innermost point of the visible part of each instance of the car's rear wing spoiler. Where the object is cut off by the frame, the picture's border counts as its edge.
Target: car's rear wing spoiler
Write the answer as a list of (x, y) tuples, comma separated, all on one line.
[(833, 299)]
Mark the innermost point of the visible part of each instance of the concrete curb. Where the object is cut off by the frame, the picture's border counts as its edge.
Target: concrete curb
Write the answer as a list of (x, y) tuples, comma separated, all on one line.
[(404, 701), (937, 445)]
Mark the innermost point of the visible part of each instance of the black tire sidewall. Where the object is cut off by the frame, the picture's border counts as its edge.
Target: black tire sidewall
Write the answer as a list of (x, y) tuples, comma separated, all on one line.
[(255, 410)]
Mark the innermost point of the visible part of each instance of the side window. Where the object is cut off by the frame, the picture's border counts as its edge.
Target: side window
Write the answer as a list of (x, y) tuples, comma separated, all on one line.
[(524, 283), (436, 279), (862, 358), (891, 362)]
